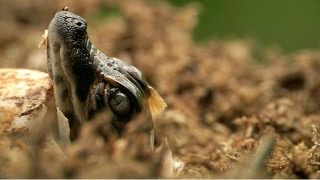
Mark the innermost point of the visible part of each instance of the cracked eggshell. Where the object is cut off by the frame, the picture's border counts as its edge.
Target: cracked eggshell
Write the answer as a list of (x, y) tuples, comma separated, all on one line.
[(24, 95)]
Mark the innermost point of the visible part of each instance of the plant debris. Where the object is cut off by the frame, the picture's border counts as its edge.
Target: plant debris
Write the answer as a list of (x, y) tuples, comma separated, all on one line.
[(222, 104)]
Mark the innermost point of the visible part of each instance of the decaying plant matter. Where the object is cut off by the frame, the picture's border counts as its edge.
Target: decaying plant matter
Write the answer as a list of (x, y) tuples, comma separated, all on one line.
[(222, 104)]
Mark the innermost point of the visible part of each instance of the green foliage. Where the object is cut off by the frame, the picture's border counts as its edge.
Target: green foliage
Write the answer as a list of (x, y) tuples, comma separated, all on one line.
[(104, 13), (289, 24)]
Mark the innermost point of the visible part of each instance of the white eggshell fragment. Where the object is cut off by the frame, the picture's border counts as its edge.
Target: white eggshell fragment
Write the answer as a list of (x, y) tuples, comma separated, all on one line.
[(24, 97)]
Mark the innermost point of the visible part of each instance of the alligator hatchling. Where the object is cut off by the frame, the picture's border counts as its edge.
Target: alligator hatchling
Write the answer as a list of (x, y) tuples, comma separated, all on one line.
[(86, 81)]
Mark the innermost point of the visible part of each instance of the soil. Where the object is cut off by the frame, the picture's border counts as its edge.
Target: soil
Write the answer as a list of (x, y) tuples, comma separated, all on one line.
[(234, 109)]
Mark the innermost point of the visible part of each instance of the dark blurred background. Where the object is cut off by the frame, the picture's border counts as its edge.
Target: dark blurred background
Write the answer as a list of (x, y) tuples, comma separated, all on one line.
[(287, 24)]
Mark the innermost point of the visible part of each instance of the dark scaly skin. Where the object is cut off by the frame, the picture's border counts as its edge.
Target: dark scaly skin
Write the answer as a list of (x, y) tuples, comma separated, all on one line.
[(83, 77)]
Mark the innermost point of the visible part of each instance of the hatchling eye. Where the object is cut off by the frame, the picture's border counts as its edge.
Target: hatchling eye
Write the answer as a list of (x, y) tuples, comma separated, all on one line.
[(119, 103)]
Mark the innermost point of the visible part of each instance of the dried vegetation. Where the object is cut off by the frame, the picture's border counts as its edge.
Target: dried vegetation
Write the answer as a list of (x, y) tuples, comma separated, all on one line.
[(227, 115)]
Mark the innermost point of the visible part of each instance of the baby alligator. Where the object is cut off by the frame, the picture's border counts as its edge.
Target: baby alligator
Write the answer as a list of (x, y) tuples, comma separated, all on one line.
[(86, 81)]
